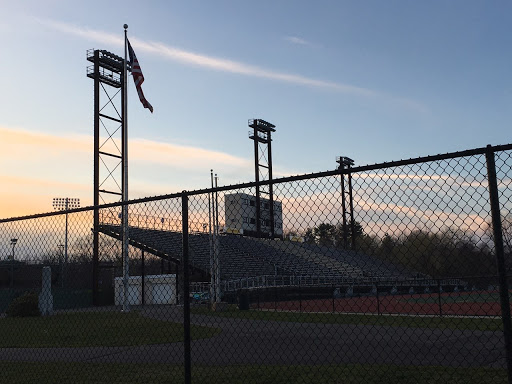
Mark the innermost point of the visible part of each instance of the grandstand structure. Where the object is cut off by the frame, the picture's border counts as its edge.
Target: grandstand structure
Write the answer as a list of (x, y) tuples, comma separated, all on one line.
[(250, 263)]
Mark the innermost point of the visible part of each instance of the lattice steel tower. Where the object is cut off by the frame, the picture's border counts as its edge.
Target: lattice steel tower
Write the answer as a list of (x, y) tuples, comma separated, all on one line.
[(345, 163), (109, 159), (262, 137)]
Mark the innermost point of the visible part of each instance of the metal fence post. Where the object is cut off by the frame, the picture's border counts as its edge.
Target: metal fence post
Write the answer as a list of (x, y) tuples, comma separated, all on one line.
[(332, 294), (143, 278), (300, 300), (186, 293), (275, 298), (439, 297), (500, 256), (378, 299)]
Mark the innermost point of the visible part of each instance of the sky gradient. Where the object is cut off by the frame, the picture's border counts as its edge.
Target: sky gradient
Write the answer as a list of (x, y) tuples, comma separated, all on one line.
[(375, 81)]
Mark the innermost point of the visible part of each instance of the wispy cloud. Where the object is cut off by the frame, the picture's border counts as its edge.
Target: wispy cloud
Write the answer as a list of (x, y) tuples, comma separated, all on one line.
[(185, 156), (35, 166), (83, 32), (17, 142), (296, 40), (29, 195), (226, 65)]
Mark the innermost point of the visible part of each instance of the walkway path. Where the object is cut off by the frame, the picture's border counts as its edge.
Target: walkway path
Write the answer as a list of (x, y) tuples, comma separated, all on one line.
[(269, 342)]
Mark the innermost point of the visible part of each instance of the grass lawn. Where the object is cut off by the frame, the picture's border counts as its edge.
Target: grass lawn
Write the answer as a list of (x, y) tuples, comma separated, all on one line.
[(48, 372), (482, 324), (93, 329)]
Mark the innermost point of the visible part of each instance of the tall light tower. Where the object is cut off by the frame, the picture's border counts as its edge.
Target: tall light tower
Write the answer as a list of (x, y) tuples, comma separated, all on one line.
[(110, 159), (261, 134), (14, 241), (345, 163), (65, 204)]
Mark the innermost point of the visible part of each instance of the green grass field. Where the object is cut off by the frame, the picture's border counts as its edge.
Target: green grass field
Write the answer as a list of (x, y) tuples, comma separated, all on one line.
[(93, 329), (89, 329), (481, 324), (48, 372)]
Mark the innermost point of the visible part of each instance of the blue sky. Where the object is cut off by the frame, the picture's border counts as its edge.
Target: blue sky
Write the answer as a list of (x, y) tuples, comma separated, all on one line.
[(373, 80)]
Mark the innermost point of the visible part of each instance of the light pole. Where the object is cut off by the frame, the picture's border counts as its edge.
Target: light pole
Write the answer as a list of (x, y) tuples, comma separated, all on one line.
[(346, 163), (61, 262), (65, 204), (13, 244)]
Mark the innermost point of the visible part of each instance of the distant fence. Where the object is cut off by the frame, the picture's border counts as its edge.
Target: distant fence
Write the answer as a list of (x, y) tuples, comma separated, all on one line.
[(318, 281)]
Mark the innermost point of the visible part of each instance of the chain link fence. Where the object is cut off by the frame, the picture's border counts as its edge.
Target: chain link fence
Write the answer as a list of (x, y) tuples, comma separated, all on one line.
[(390, 273)]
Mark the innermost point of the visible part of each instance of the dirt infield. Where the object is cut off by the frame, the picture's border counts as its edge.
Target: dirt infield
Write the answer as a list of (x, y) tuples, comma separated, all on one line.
[(476, 303)]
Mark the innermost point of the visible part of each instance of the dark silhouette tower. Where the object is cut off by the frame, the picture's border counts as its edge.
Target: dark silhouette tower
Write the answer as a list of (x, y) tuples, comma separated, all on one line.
[(262, 137), (345, 163), (109, 159)]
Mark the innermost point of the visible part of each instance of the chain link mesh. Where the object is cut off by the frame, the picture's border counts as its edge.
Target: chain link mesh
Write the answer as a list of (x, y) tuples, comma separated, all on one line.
[(381, 275)]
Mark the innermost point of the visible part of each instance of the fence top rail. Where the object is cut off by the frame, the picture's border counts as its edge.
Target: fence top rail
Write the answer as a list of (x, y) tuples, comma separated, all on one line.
[(363, 168)]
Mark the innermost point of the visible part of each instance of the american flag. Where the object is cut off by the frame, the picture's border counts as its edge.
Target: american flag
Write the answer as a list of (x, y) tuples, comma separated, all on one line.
[(138, 77)]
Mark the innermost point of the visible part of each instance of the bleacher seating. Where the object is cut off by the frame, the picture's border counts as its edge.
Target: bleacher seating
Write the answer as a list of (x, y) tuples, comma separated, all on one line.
[(244, 257), (371, 266)]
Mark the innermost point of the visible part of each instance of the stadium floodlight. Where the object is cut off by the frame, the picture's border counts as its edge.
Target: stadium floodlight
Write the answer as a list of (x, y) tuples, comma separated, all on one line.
[(344, 161), (65, 204)]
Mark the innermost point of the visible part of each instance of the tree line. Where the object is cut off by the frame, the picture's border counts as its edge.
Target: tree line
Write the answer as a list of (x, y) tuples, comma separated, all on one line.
[(442, 253)]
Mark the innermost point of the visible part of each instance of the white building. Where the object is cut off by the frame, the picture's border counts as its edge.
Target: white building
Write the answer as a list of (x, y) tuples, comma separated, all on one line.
[(158, 289), (240, 215)]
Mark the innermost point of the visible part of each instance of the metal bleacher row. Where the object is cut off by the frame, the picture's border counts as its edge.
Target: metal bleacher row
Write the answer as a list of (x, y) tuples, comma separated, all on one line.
[(243, 257)]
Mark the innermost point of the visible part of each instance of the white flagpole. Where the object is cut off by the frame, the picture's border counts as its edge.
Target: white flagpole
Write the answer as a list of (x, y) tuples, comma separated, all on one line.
[(126, 267)]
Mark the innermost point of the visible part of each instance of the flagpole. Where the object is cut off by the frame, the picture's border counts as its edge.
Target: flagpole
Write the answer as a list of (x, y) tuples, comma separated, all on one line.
[(126, 269)]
